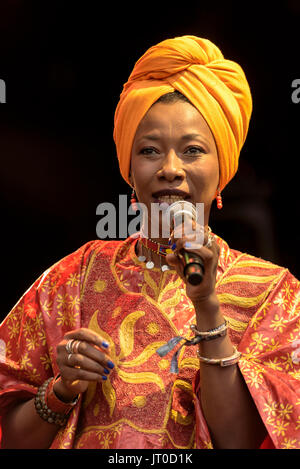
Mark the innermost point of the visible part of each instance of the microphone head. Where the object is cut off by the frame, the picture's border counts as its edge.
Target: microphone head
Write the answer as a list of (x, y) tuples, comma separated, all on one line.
[(180, 211)]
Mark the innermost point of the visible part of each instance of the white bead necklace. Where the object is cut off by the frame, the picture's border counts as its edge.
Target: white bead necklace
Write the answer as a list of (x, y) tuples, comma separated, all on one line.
[(160, 249)]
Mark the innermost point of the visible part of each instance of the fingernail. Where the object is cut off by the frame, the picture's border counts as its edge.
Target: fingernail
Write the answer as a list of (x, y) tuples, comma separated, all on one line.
[(104, 378), (105, 344), (110, 364), (170, 241), (106, 371), (173, 247), (192, 245)]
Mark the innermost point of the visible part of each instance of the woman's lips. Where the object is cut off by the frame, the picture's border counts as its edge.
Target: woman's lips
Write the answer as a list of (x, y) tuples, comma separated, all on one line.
[(167, 199), (169, 196)]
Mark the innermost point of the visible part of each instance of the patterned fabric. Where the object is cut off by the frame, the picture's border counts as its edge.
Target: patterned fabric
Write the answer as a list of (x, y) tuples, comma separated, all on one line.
[(103, 286)]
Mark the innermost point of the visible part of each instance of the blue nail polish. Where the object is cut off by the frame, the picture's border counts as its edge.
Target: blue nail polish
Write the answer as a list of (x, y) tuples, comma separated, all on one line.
[(104, 378), (106, 371), (110, 364), (105, 344), (169, 242), (173, 247)]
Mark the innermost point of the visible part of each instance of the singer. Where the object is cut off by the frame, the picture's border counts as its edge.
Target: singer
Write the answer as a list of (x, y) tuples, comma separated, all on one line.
[(113, 346)]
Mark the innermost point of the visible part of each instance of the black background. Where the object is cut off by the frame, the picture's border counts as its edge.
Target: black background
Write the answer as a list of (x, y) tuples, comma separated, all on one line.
[(64, 64)]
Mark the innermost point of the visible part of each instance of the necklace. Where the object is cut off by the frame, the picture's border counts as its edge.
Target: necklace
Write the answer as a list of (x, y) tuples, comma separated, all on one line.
[(161, 249)]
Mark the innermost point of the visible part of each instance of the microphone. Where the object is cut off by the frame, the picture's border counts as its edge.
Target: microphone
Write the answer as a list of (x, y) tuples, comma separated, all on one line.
[(178, 213)]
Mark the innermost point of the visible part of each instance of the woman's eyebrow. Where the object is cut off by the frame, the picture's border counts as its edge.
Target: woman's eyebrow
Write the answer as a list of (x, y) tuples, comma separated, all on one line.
[(150, 137), (191, 136)]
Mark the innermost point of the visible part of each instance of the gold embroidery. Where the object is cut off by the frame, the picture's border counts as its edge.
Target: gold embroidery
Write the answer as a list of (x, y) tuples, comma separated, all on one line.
[(164, 364), (152, 328), (87, 272), (139, 401), (118, 424), (256, 263), (143, 377), (236, 325), (94, 326), (189, 362), (180, 383), (89, 394), (110, 395), (145, 355), (150, 283), (116, 312), (126, 343), (178, 418), (241, 301), (96, 410), (170, 303), (248, 278), (99, 286), (126, 333)]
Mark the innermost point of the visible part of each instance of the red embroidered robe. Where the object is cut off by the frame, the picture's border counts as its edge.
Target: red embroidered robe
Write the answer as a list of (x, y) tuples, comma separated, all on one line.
[(103, 286)]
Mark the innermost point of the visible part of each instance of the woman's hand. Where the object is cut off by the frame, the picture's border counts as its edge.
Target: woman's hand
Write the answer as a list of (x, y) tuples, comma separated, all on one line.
[(88, 362), (205, 291)]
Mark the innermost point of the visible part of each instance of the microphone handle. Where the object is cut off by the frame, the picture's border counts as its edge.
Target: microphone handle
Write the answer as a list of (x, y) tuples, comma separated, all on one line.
[(193, 267)]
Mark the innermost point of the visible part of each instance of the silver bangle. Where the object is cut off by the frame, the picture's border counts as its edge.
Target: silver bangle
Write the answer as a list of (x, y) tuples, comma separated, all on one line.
[(217, 331), (227, 361)]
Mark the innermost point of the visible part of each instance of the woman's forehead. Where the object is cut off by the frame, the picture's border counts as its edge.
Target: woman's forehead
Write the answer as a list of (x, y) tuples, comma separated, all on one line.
[(180, 118)]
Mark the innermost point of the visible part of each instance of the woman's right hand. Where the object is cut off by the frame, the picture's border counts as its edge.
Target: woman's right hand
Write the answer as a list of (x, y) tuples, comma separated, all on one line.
[(91, 362)]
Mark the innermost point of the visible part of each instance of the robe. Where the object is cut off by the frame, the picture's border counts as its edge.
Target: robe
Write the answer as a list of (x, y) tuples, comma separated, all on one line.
[(103, 286)]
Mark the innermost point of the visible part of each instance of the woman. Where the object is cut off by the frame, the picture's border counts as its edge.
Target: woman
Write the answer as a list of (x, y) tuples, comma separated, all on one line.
[(79, 364)]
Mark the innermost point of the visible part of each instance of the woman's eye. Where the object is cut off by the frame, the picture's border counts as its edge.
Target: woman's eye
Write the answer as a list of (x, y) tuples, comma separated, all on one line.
[(148, 151), (194, 150)]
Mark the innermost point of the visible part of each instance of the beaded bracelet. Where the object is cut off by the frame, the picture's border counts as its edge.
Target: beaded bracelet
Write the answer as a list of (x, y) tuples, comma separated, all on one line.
[(45, 412)]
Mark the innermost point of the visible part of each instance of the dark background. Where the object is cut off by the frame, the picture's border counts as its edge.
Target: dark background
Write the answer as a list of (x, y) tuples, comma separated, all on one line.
[(64, 64)]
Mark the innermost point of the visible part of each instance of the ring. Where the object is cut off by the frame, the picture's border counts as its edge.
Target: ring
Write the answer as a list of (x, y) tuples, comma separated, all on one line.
[(209, 241), (69, 356), (75, 346), (69, 345)]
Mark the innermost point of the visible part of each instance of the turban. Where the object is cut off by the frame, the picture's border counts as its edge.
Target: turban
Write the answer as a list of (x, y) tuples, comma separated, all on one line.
[(196, 68)]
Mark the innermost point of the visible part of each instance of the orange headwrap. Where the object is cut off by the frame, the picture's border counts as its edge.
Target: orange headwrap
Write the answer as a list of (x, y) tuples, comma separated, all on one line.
[(215, 86)]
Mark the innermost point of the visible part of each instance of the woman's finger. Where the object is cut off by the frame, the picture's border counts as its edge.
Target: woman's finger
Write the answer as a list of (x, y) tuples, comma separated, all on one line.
[(70, 373), (87, 335), (81, 361), (92, 355)]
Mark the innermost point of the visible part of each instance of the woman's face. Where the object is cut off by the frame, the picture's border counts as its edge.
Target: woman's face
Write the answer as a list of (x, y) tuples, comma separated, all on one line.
[(174, 157)]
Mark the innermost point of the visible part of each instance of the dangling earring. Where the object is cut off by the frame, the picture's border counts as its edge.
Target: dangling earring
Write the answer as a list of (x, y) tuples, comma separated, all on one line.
[(133, 201), (219, 200)]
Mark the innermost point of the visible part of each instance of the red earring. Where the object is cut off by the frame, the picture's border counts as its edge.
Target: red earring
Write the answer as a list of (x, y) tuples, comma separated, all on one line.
[(133, 201), (219, 200)]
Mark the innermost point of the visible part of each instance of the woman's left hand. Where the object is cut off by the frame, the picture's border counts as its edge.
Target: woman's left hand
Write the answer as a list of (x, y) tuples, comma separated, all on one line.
[(209, 254)]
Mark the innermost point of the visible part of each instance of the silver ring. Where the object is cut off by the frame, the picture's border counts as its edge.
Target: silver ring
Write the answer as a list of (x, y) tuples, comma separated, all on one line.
[(76, 346), (69, 345), (69, 356), (209, 241)]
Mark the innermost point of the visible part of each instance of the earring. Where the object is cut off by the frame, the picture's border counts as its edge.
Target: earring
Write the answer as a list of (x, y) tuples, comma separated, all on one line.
[(133, 201), (219, 200)]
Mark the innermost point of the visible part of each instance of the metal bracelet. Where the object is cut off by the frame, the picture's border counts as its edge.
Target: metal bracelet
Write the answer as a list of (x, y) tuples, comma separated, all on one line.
[(213, 333), (227, 361)]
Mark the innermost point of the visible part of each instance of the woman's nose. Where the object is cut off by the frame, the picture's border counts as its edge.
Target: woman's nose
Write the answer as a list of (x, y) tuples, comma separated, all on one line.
[(171, 167)]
